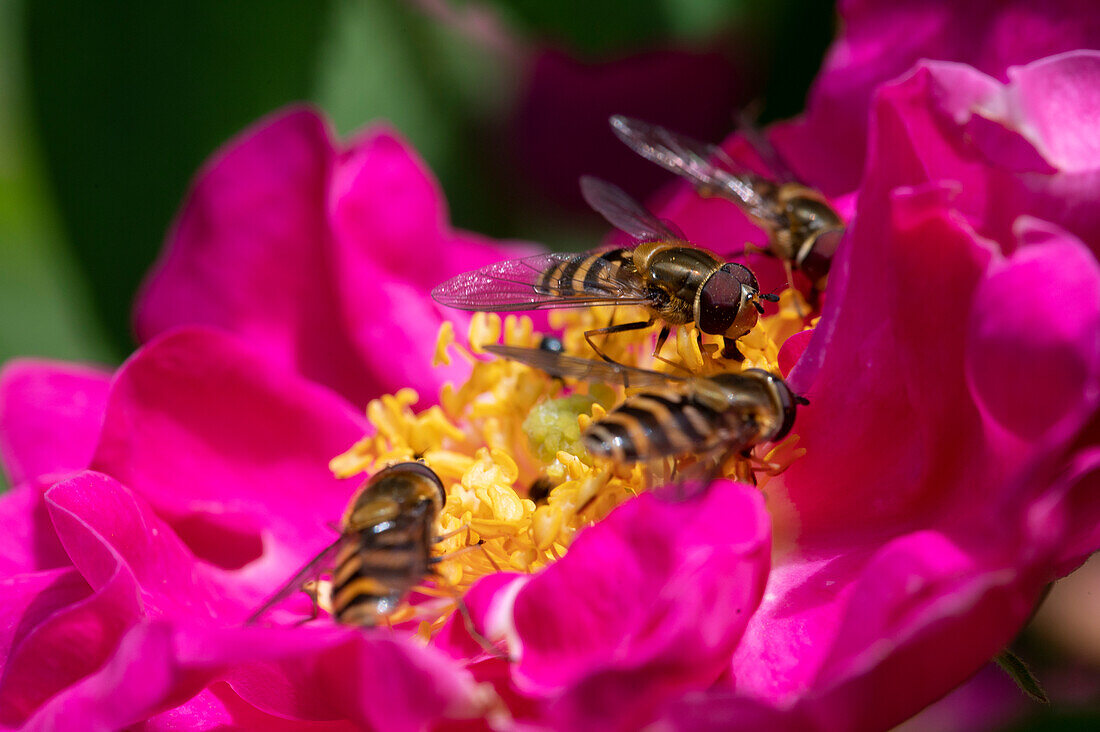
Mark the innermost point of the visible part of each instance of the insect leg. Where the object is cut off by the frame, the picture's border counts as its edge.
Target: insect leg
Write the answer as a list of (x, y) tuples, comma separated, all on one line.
[(620, 328), (730, 350), (456, 552), (661, 338), (468, 623), (464, 611), (313, 589), (790, 283), (454, 532)]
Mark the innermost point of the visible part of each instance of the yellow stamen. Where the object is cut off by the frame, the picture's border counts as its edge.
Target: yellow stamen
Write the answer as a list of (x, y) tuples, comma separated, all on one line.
[(492, 436)]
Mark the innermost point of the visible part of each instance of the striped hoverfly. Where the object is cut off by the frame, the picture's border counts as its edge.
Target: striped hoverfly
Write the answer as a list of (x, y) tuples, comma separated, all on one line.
[(803, 230), (677, 282), (674, 416), (384, 550)]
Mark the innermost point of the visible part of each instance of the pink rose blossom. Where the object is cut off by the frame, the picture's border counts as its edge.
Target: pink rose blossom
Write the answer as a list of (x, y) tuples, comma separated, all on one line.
[(954, 379), (950, 473)]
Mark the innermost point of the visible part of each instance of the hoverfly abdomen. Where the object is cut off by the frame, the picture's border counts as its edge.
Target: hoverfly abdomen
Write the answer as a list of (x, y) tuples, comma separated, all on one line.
[(384, 548), (655, 424), (583, 273), (376, 569)]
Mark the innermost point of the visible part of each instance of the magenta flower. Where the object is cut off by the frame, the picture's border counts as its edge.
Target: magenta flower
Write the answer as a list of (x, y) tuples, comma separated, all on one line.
[(951, 455), (950, 466)]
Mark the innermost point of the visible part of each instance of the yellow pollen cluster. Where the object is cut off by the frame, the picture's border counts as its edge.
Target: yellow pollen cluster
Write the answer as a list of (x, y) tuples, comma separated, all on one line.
[(489, 454)]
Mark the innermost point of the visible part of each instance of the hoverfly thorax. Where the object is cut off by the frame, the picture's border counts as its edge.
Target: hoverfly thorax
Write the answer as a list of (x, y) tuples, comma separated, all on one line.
[(776, 405), (393, 492), (814, 229)]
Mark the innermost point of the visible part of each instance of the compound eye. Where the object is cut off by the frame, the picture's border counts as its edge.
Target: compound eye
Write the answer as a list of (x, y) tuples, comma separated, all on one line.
[(719, 302), (742, 274)]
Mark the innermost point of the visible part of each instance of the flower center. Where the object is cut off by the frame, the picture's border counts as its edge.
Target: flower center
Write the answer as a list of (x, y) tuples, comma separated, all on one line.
[(506, 443)]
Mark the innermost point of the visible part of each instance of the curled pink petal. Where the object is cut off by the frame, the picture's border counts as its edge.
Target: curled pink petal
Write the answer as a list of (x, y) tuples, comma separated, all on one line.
[(374, 680), (684, 579), (27, 539), (199, 424), (102, 524), (50, 415), (883, 41), (1044, 301), (73, 636)]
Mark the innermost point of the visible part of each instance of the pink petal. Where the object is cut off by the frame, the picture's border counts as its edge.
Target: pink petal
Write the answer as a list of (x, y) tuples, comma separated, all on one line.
[(1060, 99), (307, 253), (247, 252), (1066, 518), (28, 542), (885, 368), (374, 681), (659, 595), (50, 415), (201, 426), (897, 624), (218, 708), (29, 598), (1000, 144), (1058, 327), (883, 41), (392, 245), (64, 638), (102, 524)]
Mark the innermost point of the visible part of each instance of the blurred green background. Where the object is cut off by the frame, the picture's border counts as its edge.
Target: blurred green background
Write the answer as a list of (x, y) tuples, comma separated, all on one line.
[(108, 109)]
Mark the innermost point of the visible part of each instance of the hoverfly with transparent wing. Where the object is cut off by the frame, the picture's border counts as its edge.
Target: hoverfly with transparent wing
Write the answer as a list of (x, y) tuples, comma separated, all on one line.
[(384, 550), (677, 282), (673, 416), (803, 230)]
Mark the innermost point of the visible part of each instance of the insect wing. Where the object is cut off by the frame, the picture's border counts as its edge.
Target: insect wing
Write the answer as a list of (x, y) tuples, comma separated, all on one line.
[(294, 584), (574, 367), (542, 281), (623, 212), (708, 167), (758, 141)]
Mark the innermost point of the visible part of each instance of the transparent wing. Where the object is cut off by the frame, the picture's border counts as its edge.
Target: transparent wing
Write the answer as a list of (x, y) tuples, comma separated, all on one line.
[(542, 281), (759, 142), (707, 166), (294, 584), (573, 367), (623, 212)]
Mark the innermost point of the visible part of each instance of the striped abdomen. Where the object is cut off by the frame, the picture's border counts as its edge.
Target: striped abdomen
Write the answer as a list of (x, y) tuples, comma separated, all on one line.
[(656, 424), (377, 567), (587, 273)]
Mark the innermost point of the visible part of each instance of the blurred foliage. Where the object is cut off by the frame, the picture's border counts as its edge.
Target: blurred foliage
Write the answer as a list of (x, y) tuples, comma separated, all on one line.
[(43, 300), (131, 96)]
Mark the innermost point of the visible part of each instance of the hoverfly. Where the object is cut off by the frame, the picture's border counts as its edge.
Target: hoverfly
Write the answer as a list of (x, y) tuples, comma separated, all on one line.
[(384, 547), (677, 282), (675, 416), (803, 230)]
